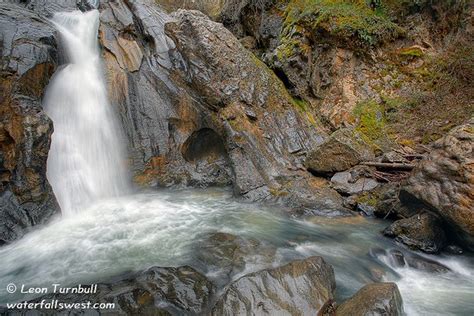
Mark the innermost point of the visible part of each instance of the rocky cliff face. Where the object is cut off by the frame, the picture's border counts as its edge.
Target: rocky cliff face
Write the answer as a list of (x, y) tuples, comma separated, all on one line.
[(199, 109), (28, 59)]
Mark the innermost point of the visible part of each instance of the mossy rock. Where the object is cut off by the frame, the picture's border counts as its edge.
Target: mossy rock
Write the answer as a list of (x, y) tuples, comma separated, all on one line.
[(372, 125)]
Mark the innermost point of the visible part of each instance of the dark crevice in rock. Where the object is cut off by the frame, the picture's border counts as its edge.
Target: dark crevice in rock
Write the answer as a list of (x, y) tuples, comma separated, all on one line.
[(284, 78), (204, 143)]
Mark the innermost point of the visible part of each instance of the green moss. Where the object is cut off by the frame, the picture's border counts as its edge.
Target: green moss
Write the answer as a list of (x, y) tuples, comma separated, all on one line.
[(411, 52), (368, 199), (300, 104), (278, 192), (352, 21), (371, 120)]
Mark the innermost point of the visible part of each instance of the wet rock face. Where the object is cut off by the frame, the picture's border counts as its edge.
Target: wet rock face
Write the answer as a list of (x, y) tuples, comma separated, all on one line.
[(28, 59), (422, 232), (245, 98), (199, 109), (303, 287), (165, 126), (374, 299), (444, 181), (156, 291), (343, 150)]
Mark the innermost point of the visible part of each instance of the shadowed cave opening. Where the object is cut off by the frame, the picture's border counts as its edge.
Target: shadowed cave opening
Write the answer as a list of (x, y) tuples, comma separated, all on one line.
[(203, 144)]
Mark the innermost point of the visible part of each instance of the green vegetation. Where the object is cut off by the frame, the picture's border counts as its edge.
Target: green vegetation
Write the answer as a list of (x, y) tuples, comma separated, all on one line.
[(354, 21), (413, 51), (301, 104), (371, 121), (368, 198)]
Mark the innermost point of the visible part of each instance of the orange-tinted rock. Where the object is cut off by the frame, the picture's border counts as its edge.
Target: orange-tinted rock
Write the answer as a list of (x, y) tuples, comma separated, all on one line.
[(28, 61)]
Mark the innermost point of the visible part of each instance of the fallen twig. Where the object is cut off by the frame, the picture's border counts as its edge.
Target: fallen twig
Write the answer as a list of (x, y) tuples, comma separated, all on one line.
[(386, 165)]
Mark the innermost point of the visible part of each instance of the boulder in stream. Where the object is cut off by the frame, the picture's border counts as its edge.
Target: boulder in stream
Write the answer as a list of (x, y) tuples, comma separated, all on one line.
[(354, 181), (302, 287), (422, 232), (399, 259), (373, 299), (224, 255)]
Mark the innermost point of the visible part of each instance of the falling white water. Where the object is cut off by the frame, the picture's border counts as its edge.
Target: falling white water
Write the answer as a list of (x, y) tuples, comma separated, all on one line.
[(86, 160)]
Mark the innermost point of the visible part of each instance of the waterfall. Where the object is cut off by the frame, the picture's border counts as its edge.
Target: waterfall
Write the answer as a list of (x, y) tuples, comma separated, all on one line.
[(86, 162)]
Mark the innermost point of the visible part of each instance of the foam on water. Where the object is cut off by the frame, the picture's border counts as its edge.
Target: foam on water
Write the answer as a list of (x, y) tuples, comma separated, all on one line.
[(165, 228)]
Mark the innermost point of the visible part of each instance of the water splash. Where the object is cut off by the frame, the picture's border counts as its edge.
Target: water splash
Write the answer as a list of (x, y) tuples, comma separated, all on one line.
[(171, 228), (86, 161)]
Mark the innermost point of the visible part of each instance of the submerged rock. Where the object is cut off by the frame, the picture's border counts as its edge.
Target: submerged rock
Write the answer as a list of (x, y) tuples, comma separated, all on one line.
[(399, 259), (444, 181), (303, 287), (156, 291), (225, 255), (422, 232), (373, 299), (425, 264), (28, 59), (454, 250), (343, 150)]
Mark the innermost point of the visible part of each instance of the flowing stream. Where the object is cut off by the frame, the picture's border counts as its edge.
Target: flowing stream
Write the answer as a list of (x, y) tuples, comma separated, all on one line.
[(109, 232), (171, 228), (86, 162)]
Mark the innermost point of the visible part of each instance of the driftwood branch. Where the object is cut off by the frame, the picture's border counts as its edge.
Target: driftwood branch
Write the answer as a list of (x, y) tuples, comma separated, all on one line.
[(396, 176), (392, 166)]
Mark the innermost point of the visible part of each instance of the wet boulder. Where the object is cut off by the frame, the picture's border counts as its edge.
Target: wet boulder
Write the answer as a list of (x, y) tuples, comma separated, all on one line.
[(444, 181), (344, 149), (223, 255), (302, 287), (373, 299), (421, 232)]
